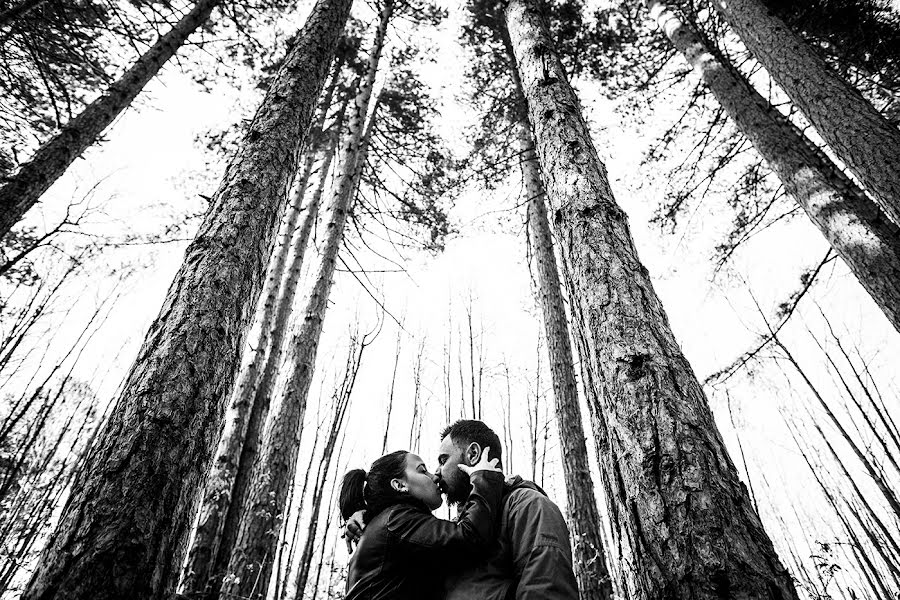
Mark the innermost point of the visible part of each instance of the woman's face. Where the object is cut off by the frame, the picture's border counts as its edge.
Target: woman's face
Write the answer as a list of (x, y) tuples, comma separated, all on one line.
[(421, 484)]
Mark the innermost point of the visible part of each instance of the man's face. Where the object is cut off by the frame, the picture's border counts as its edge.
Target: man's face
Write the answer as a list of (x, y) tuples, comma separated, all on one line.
[(453, 481)]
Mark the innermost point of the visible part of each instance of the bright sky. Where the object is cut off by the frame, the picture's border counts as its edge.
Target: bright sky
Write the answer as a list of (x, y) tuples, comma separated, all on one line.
[(152, 172)]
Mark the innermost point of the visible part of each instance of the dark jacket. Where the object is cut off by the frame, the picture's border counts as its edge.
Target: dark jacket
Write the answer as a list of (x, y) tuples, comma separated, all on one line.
[(405, 551), (531, 557)]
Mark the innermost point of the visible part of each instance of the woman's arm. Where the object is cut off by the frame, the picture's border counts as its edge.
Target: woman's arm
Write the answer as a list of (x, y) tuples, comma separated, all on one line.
[(474, 529)]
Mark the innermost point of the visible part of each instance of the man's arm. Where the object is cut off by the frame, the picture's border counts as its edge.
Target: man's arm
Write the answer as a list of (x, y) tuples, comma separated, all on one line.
[(540, 546)]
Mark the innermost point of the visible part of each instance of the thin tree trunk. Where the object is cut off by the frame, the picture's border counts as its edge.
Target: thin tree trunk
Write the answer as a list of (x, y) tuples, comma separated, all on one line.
[(685, 525), (855, 227), (390, 406), (23, 189), (250, 564), (230, 457), (507, 421), (122, 532), (330, 515), (341, 405), (874, 470), (857, 133), (264, 389), (415, 435)]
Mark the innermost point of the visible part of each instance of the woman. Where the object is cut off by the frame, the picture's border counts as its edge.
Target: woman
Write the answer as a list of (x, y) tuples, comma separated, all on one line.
[(405, 551)]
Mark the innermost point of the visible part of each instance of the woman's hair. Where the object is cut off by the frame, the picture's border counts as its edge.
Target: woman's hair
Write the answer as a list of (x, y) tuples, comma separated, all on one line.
[(372, 491)]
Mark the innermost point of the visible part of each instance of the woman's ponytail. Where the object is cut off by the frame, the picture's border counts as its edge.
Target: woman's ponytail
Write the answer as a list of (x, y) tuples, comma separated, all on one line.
[(352, 496), (372, 491)]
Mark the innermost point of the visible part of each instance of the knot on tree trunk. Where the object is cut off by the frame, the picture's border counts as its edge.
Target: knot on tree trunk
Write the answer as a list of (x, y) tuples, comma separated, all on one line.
[(636, 366)]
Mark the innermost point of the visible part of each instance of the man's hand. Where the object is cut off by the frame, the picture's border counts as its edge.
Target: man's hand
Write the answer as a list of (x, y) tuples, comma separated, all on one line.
[(483, 464), (353, 529)]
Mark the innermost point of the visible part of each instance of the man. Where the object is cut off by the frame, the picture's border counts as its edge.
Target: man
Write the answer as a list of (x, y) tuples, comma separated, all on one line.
[(532, 557)]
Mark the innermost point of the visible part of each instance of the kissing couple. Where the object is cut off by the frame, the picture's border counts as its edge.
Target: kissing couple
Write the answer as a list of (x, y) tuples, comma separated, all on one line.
[(509, 540)]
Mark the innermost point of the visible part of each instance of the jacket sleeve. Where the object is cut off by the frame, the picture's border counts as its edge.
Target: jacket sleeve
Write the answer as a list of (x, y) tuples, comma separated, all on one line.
[(540, 548), (475, 529)]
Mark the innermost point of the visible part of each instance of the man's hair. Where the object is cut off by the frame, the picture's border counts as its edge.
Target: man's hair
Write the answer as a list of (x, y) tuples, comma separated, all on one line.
[(465, 431)]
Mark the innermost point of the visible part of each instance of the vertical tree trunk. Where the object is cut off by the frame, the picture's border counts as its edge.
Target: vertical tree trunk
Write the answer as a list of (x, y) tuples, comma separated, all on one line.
[(859, 135), (589, 553), (250, 565), (330, 515), (23, 189), (590, 558), (281, 594), (278, 295), (123, 530), (390, 406), (855, 227), (684, 521), (263, 391), (341, 404)]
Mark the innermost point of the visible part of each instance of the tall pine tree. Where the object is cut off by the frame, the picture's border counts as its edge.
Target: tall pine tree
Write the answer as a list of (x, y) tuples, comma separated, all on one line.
[(124, 528), (682, 518)]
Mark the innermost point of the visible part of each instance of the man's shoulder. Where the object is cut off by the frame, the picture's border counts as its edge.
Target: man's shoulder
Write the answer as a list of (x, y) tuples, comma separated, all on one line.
[(524, 494)]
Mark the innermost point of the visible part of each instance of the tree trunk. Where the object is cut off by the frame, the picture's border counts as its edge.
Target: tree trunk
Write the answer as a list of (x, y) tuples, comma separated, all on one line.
[(590, 558), (123, 530), (591, 570), (857, 133), (251, 560), (683, 520), (23, 189), (341, 405), (278, 296), (263, 392), (390, 406), (855, 227)]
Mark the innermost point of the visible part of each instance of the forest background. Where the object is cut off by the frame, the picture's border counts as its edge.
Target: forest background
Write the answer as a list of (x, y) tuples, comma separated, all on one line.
[(434, 312)]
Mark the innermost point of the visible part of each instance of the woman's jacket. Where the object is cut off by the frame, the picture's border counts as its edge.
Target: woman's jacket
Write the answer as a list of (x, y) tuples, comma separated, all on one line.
[(405, 551)]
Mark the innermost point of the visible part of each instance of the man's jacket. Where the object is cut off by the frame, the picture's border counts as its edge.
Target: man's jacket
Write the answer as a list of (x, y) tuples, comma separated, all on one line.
[(531, 558)]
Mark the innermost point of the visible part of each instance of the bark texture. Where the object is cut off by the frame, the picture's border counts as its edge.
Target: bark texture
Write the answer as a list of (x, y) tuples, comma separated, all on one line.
[(251, 561), (264, 389), (123, 530), (683, 522), (867, 241), (591, 570), (23, 189), (857, 133), (277, 298), (590, 560)]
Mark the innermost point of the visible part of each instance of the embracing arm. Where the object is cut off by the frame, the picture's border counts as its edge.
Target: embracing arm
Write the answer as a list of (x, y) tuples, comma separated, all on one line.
[(475, 528), (540, 548)]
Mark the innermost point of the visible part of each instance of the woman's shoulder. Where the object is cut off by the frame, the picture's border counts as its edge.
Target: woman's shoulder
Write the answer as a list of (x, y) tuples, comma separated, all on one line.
[(400, 515)]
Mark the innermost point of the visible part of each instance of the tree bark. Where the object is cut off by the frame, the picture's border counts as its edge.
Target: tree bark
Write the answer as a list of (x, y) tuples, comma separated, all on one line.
[(683, 521), (589, 553), (857, 133), (123, 530), (278, 297), (263, 392), (250, 564), (853, 224), (590, 559), (23, 189)]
